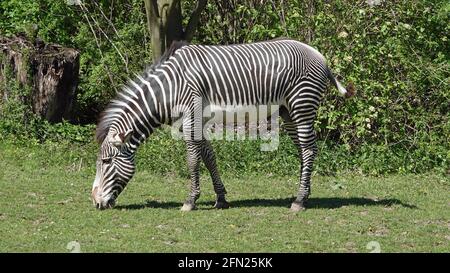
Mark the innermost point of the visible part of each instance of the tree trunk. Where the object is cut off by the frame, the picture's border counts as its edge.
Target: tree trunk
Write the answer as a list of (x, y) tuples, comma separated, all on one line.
[(164, 21), (49, 71), (310, 13)]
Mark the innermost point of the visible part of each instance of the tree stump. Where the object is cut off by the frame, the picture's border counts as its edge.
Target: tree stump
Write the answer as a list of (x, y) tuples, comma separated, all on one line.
[(50, 71)]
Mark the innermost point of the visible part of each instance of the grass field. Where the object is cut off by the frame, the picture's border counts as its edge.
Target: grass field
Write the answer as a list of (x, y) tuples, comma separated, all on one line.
[(45, 207)]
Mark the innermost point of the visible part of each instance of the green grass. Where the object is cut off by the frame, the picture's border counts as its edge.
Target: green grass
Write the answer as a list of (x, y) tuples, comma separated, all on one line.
[(44, 205)]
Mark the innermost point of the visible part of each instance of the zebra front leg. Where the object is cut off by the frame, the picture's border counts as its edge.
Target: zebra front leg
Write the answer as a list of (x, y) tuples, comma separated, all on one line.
[(209, 159), (193, 161)]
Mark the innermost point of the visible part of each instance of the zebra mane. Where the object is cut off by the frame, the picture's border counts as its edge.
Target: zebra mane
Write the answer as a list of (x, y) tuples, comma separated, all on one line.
[(104, 119), (166, 55)]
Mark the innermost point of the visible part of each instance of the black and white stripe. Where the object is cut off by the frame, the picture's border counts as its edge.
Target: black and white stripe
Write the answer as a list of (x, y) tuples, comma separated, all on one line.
[(283, 72)]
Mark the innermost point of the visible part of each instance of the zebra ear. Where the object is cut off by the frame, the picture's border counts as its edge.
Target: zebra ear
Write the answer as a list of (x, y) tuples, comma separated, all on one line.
[(119, 139)]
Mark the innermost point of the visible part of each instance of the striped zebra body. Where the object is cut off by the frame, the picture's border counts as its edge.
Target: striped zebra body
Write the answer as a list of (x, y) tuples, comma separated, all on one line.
[(282, 72)]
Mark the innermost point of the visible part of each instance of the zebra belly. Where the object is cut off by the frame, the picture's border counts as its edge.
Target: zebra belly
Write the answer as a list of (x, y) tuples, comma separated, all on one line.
[(239, 114)]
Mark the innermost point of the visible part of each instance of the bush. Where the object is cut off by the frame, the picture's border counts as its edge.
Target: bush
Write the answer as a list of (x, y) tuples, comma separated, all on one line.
[(396, 53)]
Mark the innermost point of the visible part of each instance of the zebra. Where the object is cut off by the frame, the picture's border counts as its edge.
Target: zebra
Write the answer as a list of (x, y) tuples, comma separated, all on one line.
[(283, 71)]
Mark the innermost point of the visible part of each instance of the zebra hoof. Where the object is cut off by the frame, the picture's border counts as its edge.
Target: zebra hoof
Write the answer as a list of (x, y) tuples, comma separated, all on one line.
[(221, 205), (188, 207), (296, 207)]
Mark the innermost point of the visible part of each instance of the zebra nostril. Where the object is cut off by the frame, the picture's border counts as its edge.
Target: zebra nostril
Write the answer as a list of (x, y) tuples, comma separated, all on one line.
[(111, 203), (97, 205)]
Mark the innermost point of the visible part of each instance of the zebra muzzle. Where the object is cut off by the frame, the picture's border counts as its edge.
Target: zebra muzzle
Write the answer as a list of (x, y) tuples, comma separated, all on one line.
[(93, 195)]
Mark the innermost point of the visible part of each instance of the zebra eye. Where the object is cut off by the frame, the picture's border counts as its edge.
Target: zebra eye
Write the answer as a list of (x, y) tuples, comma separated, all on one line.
[(107, 160)]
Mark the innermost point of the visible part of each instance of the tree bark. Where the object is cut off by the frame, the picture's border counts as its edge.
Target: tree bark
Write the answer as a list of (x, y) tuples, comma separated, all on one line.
[(310, 14), (165, 23), (49, 71)]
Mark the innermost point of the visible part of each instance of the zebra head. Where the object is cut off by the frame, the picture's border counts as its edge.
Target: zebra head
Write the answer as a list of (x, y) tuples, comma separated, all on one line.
[(115, 167)]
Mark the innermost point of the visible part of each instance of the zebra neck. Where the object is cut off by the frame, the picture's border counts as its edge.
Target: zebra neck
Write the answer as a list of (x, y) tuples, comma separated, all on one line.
[(140, 131), (148, 105), (144, 104), (135, 110)]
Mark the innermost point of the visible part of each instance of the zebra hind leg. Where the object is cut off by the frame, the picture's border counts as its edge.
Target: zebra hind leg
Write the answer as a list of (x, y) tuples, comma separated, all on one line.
[(209, 159), (193, 160), (308, 154), (306, 144)]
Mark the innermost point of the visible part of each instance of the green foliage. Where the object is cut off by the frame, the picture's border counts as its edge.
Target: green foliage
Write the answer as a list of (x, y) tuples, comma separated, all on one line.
[(164, 155), (396, 53), (111, 37), (52, 21), (114, 46), (16, 115)]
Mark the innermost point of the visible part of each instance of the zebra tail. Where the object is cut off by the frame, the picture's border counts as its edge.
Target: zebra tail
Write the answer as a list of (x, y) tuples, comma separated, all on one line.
[(346, 92)]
